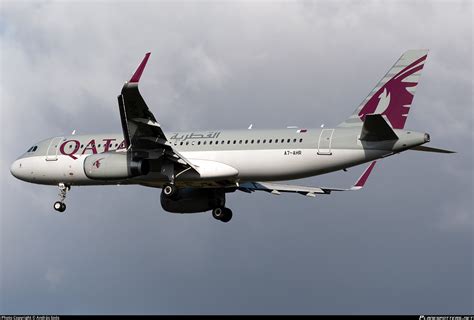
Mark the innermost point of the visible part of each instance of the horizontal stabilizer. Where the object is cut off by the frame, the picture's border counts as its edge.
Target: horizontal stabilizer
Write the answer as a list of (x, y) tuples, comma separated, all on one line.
[(375, 128), (429, 149)]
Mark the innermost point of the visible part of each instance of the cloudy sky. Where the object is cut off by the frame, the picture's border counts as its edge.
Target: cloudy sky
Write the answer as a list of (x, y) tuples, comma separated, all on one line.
[(402, 245)]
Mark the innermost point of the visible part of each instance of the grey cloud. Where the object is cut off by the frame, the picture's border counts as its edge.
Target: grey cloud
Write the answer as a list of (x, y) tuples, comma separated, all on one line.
[(402, 245)]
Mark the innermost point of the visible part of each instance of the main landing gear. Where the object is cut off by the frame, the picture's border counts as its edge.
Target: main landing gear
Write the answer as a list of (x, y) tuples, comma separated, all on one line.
[(170, 190), (222, 214), (60, 205)]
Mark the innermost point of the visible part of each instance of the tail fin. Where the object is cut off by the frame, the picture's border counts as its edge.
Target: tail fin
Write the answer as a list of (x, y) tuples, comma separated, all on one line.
[(393, 95)]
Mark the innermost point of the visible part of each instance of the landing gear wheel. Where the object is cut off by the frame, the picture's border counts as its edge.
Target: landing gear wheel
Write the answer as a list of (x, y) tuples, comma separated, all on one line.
[(169, 190), (59, 206), (63, 189), (218, 213), (227, 215), (222, 214)]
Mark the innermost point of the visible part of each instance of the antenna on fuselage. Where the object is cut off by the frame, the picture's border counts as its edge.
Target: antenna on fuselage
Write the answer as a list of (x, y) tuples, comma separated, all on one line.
[(250, 126), (322, 126), (73, 132)]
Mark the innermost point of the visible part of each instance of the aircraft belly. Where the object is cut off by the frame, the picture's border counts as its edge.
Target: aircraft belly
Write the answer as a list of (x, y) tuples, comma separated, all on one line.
[(282, 164)]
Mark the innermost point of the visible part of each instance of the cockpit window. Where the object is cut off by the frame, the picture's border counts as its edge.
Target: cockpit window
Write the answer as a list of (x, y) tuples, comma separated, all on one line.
[(32, 149), (35, 148), (29, 150)]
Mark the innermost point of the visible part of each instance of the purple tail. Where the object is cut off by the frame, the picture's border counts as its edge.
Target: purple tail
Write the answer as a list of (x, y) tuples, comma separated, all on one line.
[(393, 95)]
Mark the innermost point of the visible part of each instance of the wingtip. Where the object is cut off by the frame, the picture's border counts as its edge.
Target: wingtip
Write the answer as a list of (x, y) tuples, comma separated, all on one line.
[(138, 73), (363, 178)]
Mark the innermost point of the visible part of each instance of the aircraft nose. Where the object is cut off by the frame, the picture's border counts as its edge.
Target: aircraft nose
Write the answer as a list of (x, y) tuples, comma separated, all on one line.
[(15, 169)]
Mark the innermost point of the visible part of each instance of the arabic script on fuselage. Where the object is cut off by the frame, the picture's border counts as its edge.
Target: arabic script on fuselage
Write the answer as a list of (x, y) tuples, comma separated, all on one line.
[(195, 135)]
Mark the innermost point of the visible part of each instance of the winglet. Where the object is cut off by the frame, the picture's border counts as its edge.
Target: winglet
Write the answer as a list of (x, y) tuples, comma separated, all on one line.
[(138, 73), (363, 178)]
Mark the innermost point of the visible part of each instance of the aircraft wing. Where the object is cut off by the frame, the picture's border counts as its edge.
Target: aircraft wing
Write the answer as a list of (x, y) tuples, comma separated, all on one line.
[(141, 131), (276, 188)]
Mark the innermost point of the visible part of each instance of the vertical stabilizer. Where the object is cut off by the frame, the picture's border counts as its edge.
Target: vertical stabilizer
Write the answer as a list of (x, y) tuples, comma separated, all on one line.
[(393, 95)]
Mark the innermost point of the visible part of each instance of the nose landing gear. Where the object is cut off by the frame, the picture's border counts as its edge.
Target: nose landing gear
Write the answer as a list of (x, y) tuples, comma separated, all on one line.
[(60, 205)]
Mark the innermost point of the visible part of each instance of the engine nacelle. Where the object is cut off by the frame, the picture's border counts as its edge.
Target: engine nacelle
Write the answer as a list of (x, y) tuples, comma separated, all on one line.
[(189, 200), (114, 166)]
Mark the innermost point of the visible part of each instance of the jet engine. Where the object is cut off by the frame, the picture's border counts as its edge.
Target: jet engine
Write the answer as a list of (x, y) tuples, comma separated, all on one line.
[(190, 200), (114, 166)]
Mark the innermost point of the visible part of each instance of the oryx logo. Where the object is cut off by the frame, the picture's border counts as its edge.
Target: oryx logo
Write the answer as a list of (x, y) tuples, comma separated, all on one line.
[(393, 99), (384, 102), (97, 163)]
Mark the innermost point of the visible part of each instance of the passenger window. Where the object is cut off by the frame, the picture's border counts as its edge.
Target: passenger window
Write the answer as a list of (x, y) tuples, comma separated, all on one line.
[(205, 142), (258, 141), (70, 146), (228, 141), (270, 141), (264, 140), (210, 142), (222, 142), (288, 141), (246, 141), (116, 145), (282, 140), (235, 141), (187, 143), (199, 143), (82, 146), (301, 140), (240, 141), (181, 143), (294, 140), (251, 141)]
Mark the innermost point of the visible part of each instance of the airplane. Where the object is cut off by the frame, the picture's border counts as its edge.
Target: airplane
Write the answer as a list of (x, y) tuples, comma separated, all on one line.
[(197, 169)]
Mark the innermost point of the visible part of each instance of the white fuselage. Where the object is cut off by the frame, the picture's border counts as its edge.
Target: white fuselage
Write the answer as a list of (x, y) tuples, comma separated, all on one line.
[(247, 155)]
